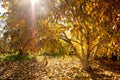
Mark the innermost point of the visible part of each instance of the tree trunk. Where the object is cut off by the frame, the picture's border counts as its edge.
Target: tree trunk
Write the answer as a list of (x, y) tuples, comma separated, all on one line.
[(85, 65), (20, 52)]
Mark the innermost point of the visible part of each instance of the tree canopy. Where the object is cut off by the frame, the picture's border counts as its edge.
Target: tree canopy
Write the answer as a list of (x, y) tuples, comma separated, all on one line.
[(90, 27)]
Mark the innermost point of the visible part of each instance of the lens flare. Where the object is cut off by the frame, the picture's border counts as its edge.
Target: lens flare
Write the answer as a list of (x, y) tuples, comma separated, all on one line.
[(33, 1)]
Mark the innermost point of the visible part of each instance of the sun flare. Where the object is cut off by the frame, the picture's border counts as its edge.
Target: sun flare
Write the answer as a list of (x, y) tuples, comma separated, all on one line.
[(33, 1)]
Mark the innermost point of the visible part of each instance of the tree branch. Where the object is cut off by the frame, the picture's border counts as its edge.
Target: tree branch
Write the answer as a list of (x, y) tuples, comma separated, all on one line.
[(95, 52), (69, 41), (97, 44)]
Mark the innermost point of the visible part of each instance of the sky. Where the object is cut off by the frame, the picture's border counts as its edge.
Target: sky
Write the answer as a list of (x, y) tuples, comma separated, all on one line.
[(2, 22), (2, 10)]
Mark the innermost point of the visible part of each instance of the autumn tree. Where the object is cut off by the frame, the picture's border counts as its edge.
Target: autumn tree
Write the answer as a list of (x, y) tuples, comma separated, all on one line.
[(22, 24), (25, 31), (84, 24)]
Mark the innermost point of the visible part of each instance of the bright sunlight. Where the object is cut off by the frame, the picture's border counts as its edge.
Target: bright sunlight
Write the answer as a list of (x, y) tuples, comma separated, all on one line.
[(39, 6), (34, 2)]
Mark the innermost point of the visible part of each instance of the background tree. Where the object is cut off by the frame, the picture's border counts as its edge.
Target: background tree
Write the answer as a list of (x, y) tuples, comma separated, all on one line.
[(25, 30), (22, 25)]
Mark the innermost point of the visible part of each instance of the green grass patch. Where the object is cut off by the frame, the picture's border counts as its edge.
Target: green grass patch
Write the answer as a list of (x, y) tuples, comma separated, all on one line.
[(14, 57)]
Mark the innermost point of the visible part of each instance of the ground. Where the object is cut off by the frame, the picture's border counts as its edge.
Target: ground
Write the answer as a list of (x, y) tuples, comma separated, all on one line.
[(62, 68)]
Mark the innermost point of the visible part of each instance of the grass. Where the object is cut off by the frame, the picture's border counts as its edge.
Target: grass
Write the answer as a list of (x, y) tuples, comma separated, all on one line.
[(13, 57)]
